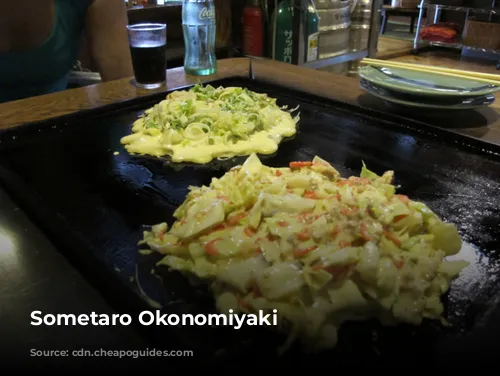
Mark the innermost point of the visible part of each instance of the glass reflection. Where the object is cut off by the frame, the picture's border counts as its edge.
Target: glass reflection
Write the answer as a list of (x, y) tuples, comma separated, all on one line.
[(8, 254)]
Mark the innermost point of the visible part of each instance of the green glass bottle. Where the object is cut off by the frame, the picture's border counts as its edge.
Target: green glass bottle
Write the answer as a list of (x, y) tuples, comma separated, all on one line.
[(282, 32), (312, 33)]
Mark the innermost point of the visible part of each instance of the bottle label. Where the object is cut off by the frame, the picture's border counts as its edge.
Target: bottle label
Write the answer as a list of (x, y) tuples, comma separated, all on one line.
[(287, 51), (207, 14), (312, 47)]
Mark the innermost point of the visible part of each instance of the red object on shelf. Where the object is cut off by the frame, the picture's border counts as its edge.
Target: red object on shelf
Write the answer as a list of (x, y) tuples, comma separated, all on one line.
[(441, 32), (253, 30)]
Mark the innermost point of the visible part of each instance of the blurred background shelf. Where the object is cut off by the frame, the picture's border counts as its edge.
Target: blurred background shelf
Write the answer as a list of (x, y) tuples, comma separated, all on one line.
[(397, 42), (463, 8), (343, 58), (348, 31), (479, 28)]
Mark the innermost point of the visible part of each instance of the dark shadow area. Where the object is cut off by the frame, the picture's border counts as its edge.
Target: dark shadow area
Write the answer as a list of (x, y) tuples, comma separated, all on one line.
[(477, 119)]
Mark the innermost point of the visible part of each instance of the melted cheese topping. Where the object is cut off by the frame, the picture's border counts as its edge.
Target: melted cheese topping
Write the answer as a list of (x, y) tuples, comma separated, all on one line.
[(264, 142), (191, 128)]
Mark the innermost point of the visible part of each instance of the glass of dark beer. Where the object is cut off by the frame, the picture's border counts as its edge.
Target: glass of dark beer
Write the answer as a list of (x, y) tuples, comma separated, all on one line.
[(148, 45)]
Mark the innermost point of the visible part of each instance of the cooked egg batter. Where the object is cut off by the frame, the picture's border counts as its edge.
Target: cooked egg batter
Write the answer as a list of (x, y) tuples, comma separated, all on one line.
[(205, 123)]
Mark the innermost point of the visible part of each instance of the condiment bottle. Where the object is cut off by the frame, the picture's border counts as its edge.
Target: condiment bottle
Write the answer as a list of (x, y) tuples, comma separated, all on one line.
[(253, 29)]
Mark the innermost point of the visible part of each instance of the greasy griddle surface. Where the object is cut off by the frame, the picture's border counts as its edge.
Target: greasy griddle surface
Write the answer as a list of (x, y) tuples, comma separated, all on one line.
[(94, 205)]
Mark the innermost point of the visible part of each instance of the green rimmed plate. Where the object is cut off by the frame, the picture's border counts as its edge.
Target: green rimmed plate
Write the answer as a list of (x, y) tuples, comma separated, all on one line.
[(389, 96), (424, 83)]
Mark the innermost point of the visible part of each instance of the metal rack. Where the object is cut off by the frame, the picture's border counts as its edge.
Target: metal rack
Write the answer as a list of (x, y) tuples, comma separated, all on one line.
[(370, 51), (419, 44)]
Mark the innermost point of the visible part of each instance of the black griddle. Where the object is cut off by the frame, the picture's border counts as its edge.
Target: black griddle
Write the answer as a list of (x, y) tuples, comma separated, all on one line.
[(94, 205)]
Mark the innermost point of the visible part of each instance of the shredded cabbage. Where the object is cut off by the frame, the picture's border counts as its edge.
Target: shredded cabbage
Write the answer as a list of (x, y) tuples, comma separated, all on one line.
[(319, 248)]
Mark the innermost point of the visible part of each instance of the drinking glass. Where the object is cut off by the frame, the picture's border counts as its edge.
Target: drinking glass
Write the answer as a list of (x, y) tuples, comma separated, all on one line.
[(148, 45)]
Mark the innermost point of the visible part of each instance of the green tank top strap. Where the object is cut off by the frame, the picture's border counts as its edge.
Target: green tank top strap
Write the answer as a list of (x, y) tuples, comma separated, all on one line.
[(45, 69)]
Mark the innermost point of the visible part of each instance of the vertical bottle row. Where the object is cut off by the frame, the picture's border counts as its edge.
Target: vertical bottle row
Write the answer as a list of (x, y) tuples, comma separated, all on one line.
[(268, 30)]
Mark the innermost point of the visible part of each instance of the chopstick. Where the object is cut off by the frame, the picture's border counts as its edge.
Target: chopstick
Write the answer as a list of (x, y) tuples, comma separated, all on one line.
[(493, 79)]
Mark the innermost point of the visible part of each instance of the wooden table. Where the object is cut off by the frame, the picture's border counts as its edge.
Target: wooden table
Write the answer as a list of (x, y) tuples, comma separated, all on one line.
[(389, 48), (483, 124), (448, 59)]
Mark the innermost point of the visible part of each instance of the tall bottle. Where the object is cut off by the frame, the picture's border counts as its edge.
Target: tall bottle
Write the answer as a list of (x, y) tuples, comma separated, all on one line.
[(312, 33), (253, 29), (282, 32), (198, 23)]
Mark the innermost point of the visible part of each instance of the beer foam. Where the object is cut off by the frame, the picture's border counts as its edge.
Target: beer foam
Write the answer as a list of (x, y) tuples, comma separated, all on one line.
[(147, 43)]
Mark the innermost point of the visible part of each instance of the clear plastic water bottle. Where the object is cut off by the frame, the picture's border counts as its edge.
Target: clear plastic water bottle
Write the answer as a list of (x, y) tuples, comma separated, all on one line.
[(198, 23)]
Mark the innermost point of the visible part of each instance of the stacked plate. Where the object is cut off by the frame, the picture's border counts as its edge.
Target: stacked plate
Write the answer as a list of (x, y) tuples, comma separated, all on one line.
[(430, 90)]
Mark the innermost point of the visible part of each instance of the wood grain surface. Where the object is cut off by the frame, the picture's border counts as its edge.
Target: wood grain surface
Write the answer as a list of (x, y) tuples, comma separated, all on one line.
[(88, 97), (483, 124), (450, 60), (388, 48)]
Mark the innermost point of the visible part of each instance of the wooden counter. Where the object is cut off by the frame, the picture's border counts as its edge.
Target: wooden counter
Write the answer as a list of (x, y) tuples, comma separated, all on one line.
[(483, 124), (389, 48)]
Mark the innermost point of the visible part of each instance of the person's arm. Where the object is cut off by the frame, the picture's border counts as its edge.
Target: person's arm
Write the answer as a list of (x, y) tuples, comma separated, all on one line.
[(107, 38)]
